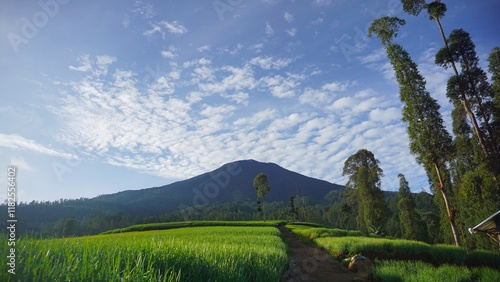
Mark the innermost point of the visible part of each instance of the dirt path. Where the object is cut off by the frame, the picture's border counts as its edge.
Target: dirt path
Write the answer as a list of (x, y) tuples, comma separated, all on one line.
[(312, 264)]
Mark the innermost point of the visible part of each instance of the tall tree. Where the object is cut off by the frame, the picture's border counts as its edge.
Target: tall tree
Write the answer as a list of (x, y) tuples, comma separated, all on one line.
[(494, 69), (430, 142), (436, 10), (262, 188), (472, 83), (411, 224), (364, 180)]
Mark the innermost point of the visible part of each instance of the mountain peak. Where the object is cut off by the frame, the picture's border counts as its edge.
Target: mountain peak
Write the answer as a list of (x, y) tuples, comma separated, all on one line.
[(231, 182)]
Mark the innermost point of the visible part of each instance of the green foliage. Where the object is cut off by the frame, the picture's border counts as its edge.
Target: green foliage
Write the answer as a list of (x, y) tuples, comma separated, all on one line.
[(262, 187), (364, 182), (430, 142), (410, 222), (436, 10), (494, 69), (184, 254), (386, 28)]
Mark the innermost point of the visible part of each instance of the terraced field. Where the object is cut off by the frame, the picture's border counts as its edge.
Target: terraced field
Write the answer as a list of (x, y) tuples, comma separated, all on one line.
[(210, 253)]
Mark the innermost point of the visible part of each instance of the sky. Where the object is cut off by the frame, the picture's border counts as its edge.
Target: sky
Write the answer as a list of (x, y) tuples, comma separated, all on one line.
[(103, 96)]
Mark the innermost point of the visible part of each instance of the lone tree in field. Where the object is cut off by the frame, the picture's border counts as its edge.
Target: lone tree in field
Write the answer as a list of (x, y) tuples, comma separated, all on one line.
[(364, 182), (262, 187), (430, 142)]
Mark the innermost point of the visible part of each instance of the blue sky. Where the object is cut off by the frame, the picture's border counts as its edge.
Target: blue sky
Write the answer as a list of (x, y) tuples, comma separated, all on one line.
[(104, 96)]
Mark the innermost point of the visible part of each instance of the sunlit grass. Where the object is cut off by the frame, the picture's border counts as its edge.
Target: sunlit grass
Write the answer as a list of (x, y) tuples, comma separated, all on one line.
[(180, 224), (342, 243), (184, 254), (417, 271)]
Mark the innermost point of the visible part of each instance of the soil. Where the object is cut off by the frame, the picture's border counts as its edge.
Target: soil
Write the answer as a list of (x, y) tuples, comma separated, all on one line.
[(313, 264)]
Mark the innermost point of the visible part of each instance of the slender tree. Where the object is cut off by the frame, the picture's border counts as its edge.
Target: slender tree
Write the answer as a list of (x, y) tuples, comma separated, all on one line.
[(364, 180), (472, 83), (430, 142), (411, 224), (436, 10), (262, 188), (294, 211), (494, 69)]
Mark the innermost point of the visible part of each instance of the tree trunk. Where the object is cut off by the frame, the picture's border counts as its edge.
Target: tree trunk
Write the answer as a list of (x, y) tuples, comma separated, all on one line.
[(451, 216)]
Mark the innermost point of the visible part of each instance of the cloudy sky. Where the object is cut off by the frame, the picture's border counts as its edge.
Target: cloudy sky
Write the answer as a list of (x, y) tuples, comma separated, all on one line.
[(103, 96)]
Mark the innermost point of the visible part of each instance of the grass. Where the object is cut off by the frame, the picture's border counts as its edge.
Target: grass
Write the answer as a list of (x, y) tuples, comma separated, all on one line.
[(405, 260), (210, 253), (343, 244), (173, 225), (396, 271), (313, 233)]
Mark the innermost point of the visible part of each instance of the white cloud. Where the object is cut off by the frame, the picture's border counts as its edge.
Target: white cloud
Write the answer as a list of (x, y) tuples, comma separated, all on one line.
[(20, 163), (203, 48), (97, 68), (168, 54), (292, 32), (270, 62), (215, 113), (385, 115), (268, 30), (174, 27), (164, 27), (288, 17), (238, 79), (375, 56), (85, 64), (17, 142), (281, 87)]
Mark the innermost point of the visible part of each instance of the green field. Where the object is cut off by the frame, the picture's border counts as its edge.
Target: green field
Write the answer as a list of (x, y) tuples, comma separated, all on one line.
[(209, 253), (232, 251)]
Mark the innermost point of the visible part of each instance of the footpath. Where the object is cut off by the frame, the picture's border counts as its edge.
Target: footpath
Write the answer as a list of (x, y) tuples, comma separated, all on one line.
[(313, 264)]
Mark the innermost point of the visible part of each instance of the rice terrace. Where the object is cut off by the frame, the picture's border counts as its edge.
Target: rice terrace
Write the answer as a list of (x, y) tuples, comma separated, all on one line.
[(241, 251)]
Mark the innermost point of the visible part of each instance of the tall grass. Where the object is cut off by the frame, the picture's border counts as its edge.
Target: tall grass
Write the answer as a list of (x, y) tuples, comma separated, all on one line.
[(173, 225), (313, 233), (417, 271), (184, 254), (342, 244), (342, 247)]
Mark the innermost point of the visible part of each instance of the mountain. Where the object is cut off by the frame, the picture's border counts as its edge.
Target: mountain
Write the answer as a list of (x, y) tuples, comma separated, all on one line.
[(229, 183)]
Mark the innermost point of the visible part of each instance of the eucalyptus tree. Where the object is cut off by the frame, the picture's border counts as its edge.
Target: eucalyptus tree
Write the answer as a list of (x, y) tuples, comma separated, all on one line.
[(436, 10), (364, 180), (472, 83), (262, 188), (494, 70), (430, 142)]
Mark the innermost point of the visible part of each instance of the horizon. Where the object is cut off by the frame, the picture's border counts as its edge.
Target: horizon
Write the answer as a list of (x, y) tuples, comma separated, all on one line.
[(102, 97)]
